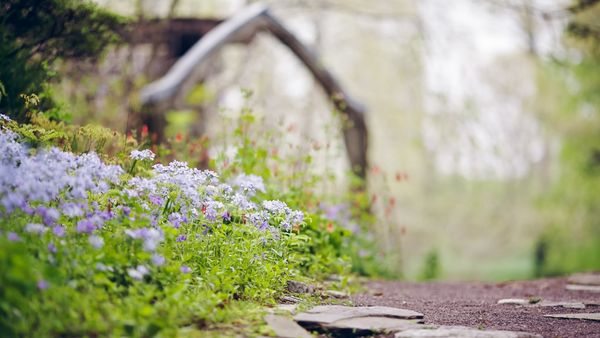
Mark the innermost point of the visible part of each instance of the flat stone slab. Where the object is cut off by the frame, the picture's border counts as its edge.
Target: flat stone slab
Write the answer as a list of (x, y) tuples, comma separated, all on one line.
[(586, 316), (570, 305), (544, 303), (374, 324), (462, 332), (513, 301), (285, 327), (585, 279), (327, 314), (581, 287)]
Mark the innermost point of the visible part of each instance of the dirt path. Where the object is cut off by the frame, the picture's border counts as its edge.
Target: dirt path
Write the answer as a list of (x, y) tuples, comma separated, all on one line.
[(475, 305)]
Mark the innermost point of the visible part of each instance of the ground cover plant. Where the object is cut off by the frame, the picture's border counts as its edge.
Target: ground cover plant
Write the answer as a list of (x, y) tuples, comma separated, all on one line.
[(98, 237), (138, 248)]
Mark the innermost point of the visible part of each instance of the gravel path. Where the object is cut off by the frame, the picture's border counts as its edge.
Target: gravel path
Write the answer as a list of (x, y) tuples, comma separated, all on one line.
[(475, 305)]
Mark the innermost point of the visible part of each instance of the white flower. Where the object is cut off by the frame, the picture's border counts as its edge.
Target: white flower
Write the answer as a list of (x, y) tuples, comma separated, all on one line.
[(145, 154)]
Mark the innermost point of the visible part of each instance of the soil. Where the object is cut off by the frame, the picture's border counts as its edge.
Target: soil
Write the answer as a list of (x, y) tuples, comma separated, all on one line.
[(475, 305)]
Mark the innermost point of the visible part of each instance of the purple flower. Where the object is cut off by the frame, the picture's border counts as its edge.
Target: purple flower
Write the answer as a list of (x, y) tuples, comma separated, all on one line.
[(52, 247), (151, 237), (263, 226), (226, 216), (96, 241), (249, 184), (158, 260), (35, 228), (181, 238), (176, 219), (72, 209), (126, 211), (59, 231), (85, 225), (185, 269), (156, 200), (49, 215), (13, 237), (42, 284)]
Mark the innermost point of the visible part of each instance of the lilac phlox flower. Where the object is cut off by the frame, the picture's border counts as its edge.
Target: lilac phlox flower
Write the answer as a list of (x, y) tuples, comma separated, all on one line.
[(52, 247), (281, 210), (156, 200), (176, 219), (35, 228), (71, 209), (142, 155), (259, 220), (226, 216), (225, 189), (49, 215), (241, 202), (263, 226), (26, 208), (105, 215), (12, 201), (13, 237), (43, 176), (96, 241), (158, 260), (276, 207), (181, 238), (126, 210), (42, 284), (86, 225), (211, 209), (138, 272), (59, 231), (151, 237), (185, 269), (249, 184)]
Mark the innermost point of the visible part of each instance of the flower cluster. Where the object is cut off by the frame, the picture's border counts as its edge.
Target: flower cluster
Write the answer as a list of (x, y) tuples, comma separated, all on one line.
[(49, 175), (65, 196), (142, 155)]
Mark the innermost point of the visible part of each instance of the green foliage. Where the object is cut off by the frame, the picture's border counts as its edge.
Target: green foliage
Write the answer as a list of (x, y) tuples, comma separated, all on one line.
[(33, 34), (571, 241), (65, 286), (431, 266)]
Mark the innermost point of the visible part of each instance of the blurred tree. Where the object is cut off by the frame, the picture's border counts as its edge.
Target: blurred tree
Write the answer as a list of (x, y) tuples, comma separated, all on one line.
[(34, 34), (572, 241)]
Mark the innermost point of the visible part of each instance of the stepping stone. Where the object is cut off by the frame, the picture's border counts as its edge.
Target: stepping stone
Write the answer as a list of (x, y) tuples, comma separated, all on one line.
[(588, 316), (299, 287), (570, 305), (462, 332), (336, 294), (327, 314), (374, 324), (581, 287), (285, 327), (585, 279), (513, 301), (290, 299), (291, 308)]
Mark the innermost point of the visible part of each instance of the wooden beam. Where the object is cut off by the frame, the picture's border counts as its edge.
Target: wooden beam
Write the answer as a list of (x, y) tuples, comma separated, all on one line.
[(256, 18), (167, 86), (354, 128)]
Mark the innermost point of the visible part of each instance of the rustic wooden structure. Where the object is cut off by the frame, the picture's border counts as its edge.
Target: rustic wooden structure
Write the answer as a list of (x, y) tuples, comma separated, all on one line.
[(157, 96)]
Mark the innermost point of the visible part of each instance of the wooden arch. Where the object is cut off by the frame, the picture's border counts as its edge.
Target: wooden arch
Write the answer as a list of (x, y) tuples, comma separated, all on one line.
[(255, 18)]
